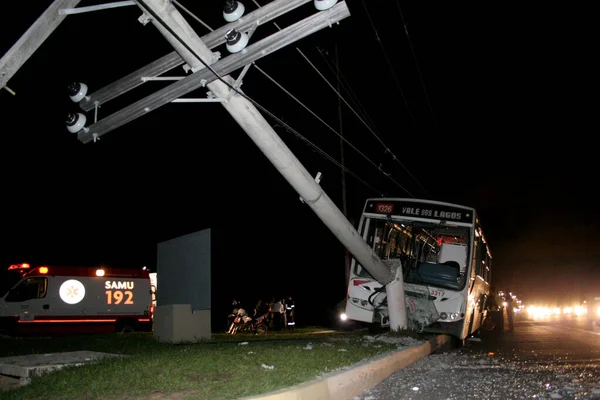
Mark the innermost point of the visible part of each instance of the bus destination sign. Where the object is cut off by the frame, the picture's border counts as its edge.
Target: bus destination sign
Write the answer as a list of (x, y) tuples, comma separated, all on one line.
[(420, 210)]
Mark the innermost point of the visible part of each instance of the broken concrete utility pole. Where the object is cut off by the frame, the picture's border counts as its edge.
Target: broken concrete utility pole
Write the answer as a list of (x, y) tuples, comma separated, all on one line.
[(167, 19), (27, 44)]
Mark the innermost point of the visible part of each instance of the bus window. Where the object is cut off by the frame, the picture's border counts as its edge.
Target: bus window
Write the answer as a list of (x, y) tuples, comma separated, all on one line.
[(488, 266), (480, 257)]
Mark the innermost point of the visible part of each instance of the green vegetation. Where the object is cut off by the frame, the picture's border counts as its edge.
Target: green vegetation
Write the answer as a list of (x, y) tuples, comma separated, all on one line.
[(225, 367)]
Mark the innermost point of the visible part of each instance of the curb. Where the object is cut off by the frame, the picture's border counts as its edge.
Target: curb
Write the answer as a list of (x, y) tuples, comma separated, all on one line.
[(347, 384)]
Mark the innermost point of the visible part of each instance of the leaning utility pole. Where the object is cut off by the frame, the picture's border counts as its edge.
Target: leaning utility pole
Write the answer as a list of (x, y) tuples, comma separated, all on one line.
[(210, 71), (32, 39), (167, 19)]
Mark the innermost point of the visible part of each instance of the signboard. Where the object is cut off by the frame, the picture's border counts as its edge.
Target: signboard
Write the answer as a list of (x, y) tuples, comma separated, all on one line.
[(417, 209)]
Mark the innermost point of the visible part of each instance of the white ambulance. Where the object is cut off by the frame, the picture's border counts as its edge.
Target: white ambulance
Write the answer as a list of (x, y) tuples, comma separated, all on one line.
[(66, 300)]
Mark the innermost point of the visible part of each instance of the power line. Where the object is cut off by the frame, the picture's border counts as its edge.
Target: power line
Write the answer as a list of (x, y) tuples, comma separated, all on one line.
[(389, 63), (331, 129), (330, 158), (387, 149), (308, 109), (192, 15), (231, 87), (416, 63), (365, 113), (346, 86), (341, 98)]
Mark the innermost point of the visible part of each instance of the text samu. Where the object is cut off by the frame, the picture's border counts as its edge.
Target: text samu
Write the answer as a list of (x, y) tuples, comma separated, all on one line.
[(118, 285)]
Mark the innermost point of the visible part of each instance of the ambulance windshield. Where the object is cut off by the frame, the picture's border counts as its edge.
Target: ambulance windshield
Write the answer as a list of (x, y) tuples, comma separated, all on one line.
[(10, 279)]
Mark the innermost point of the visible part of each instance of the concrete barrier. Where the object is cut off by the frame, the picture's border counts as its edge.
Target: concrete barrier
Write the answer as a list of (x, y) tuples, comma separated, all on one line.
[(347, 384), (18, 370)]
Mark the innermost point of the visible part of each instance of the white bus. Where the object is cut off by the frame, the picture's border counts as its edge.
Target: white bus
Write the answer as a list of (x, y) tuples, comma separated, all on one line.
[(446, 265)]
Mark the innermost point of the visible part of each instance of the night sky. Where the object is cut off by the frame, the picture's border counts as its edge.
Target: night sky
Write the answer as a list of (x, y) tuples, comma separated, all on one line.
[(490, 106)]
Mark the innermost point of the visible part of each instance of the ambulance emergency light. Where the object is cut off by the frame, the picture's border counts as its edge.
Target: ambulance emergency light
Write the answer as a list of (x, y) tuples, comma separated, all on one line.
[(19, 266)]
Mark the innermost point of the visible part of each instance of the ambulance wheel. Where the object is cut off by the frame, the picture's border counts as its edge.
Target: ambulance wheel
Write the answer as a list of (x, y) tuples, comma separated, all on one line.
[(125, 327), (9, 329)]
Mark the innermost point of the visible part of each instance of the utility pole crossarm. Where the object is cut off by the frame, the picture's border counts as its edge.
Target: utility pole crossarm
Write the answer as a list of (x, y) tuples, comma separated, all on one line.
[(223, 67), (32, 39), (213, 39), (131, 81)]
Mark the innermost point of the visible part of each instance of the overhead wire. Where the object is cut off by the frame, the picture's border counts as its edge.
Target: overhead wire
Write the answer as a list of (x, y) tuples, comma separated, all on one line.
[(332, 159), (346, 86), (371, 128), (279, 121), (191, 14), (352, 109), (387, 59), (332, 129), (387, 149), (416, 63)]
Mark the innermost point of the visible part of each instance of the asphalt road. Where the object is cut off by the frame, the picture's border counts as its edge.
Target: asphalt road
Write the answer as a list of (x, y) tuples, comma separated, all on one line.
[(546, 358)]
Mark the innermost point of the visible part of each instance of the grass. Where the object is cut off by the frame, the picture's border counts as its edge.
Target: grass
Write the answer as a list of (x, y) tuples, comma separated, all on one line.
[(220, 368)]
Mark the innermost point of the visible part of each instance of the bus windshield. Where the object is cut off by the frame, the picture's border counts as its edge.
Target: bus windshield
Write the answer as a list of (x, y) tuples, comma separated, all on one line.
[(430, 253)]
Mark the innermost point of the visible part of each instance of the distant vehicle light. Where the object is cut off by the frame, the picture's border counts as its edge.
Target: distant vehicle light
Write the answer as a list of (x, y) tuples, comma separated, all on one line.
[(343, 316), (43, 270), (99, 272)]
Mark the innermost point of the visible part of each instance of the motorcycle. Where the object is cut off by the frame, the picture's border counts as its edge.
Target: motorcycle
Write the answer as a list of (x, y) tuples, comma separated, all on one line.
[(246, 324)]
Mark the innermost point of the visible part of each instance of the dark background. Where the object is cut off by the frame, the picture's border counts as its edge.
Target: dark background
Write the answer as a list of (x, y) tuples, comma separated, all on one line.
[(486, 105)]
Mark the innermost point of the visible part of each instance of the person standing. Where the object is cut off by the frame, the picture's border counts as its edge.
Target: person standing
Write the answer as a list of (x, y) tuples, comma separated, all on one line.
[(290, 312), (276, 310), (509, 310), (257, 309), (272, 313), (495, 310), (283, 314)]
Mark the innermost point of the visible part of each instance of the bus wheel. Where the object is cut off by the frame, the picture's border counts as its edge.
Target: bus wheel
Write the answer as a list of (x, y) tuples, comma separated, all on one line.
[(488, 323), (457, 343)]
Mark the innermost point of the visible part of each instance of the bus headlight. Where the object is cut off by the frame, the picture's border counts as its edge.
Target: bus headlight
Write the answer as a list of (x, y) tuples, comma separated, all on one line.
[(452, 316), (343, 316)]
